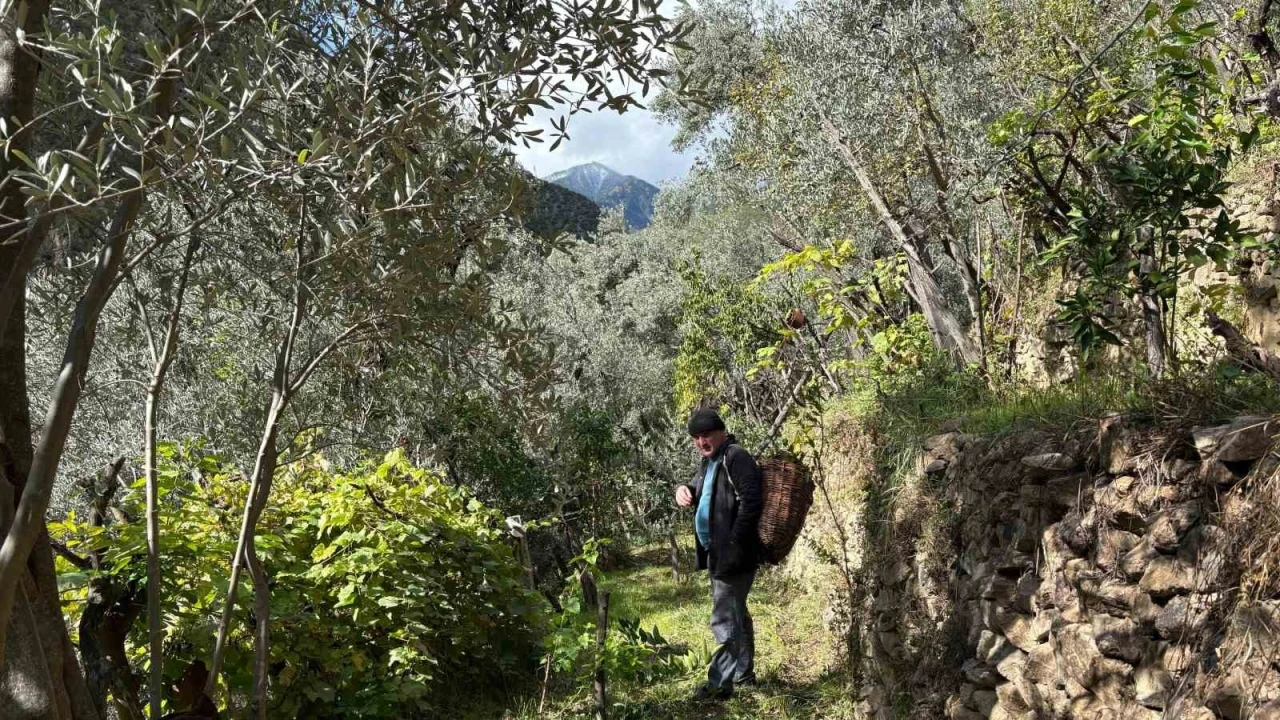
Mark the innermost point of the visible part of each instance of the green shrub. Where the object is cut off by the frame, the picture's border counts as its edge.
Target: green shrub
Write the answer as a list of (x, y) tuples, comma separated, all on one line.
[(391, 592)]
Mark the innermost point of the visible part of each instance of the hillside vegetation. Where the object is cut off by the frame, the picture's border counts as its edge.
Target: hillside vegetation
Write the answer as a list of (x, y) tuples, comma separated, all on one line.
[(314, 405)]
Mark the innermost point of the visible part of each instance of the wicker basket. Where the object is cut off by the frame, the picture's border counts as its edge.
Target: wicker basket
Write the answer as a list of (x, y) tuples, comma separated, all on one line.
[(788, 493)]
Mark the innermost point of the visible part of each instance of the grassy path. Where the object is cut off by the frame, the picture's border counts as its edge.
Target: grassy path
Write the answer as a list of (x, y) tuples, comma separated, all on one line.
[(794, 652)]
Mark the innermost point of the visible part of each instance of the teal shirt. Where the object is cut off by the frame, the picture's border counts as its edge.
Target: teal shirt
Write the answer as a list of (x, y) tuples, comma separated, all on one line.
[(702, 518)]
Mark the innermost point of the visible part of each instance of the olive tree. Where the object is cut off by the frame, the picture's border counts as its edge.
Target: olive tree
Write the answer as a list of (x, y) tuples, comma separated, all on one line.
[(348, 124)]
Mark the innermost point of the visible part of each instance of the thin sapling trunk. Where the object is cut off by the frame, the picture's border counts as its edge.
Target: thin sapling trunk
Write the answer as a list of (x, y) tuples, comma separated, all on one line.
[(155, 636)]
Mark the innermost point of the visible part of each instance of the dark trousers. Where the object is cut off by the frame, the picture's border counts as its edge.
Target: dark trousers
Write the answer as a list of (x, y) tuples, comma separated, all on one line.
[(734, 660)]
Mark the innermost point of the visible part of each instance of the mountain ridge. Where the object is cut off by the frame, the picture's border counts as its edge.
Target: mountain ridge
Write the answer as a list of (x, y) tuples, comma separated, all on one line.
[(609, 188)]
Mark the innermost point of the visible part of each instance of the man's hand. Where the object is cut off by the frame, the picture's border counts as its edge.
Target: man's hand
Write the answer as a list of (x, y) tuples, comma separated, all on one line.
[(684, 498)]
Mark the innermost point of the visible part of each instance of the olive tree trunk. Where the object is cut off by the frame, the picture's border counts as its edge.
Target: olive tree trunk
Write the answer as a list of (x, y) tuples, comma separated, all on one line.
[(945, 328)]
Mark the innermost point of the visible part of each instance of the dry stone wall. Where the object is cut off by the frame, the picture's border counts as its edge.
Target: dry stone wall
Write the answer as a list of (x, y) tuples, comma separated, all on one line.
[(1092, 575)]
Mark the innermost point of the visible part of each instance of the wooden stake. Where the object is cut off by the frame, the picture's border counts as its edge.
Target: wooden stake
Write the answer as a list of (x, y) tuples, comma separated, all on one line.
[(675, 557), (602, 632)]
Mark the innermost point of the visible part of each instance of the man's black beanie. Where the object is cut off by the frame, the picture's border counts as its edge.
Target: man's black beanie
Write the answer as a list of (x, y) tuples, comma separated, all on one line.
[(704, 420)]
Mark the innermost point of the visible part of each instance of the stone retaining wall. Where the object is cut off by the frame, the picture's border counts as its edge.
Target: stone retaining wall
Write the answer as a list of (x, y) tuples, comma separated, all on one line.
[(1091, 576)]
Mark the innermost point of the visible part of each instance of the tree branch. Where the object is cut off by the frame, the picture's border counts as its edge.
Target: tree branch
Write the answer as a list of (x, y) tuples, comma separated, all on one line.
[(67, 554), (162, 360), (342, 338)]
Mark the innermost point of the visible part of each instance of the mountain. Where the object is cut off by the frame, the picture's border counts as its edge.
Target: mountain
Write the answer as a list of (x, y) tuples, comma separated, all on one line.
[(609, 188), (553, 210)]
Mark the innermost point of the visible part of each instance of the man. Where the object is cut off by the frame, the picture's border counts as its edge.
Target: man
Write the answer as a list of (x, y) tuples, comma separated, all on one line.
[(726, 495)]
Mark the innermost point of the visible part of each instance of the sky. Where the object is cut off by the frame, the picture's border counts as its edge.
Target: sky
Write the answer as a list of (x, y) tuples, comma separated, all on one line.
[(634, 143)]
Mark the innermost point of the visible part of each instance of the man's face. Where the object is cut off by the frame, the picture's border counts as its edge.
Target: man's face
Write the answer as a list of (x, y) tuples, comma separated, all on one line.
[(708, 442)]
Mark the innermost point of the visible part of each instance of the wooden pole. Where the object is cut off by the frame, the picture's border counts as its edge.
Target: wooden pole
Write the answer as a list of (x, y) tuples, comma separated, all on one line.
[(589, 595), (675, 556), (602, 632)]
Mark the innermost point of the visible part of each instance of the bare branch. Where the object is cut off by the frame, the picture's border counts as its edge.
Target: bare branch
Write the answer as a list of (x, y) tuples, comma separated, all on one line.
[(162, 361), (67, 554), (339, 341)]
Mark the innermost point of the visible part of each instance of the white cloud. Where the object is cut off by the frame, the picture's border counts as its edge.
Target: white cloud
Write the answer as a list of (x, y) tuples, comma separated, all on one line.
[(634, 143)]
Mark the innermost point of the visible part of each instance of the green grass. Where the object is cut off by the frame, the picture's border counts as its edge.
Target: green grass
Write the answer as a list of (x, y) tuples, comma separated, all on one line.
[(910, 409), (794, 652)]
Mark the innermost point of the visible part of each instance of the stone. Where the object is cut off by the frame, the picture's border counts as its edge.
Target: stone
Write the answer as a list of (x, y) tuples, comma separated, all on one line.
[(1270, 711), (1228, 701), (1177, 658), (1206, 548), (1042, 666), (1248, 438), (1184, 617), (1214, 474), (1113, 545), (1168, 527), (936, 466), (999, 589), (1152, 685), (1067, 491), (1135, 562), (1118, 638), (1010, 698), (1078, 652), (1024, 631), (984, 700), (1167, 576), (1013, 667), (956, 710), (1117, 445), (980, 674), (1051, 462)]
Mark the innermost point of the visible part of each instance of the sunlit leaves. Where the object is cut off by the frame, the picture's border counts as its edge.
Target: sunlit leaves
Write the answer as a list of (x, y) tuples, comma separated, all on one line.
[(383, 579), (1139, 193)]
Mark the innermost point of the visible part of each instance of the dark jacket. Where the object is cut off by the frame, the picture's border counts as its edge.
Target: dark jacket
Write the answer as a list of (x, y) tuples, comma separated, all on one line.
[(735, 512)]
